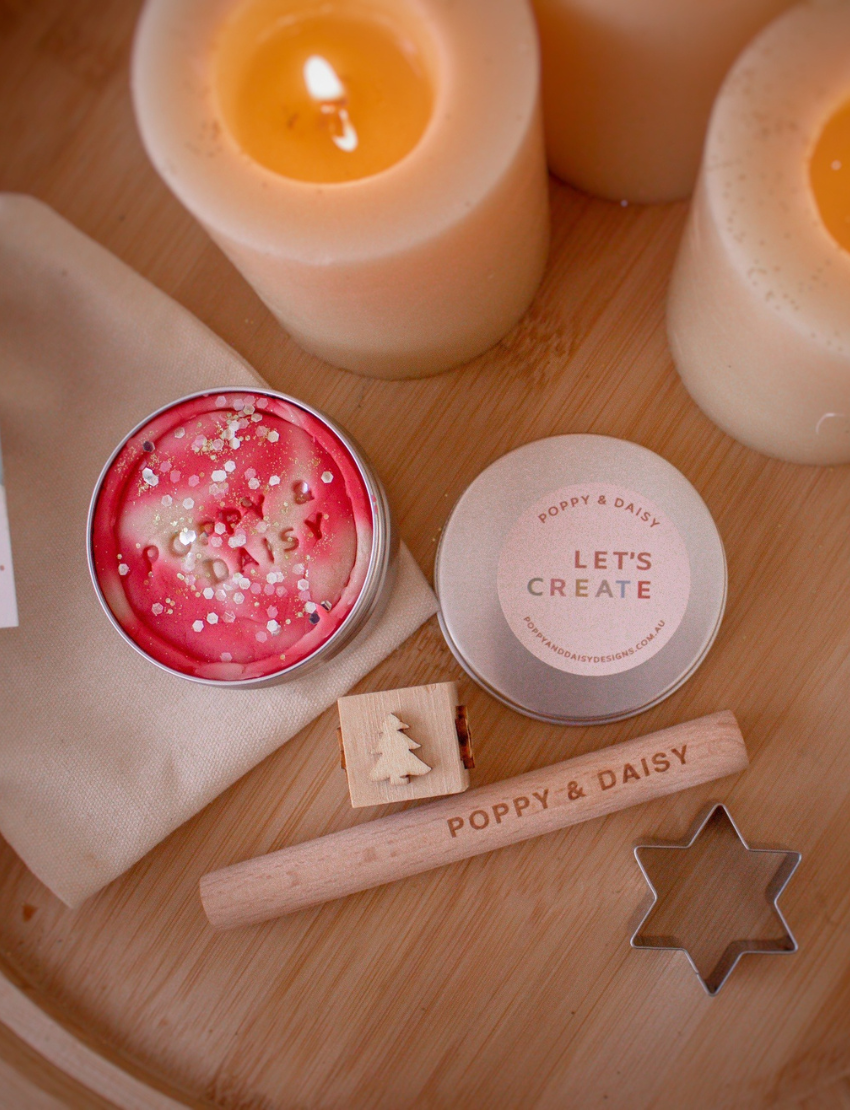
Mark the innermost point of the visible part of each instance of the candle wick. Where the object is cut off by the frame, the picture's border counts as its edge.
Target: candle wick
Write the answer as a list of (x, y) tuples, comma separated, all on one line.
[(348, 140)]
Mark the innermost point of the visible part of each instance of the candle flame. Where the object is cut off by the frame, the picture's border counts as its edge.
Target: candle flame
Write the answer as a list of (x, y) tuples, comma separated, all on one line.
[(321, 79), (324, 86)]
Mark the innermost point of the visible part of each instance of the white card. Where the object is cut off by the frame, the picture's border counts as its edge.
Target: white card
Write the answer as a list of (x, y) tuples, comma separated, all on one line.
[(8, 603)]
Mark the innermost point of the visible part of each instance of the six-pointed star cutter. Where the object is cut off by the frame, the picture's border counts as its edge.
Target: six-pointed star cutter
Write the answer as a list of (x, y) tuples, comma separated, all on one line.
[(786, 866)]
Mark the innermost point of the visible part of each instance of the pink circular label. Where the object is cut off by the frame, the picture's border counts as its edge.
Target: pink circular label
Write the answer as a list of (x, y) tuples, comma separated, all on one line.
[(594, 579)]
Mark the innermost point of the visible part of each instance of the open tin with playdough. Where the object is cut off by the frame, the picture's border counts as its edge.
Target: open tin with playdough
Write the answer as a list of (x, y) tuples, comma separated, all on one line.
[(581, 579), (238, 537)]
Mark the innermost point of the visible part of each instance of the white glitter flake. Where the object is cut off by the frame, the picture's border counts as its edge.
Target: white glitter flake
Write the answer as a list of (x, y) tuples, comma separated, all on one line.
[(256, 418), (179, 433), (217, 444), (123, 569), (174, 475), (188, 503), (220, 529), (268, 590), (187, 536), (226, 657), (212, 618), (149, 477), (194, 480), (221, 595), (250, 472), (273, 437), (215, 541), (229, 618), (198, 626), (230, 466), (219, 475), (221, 401), (238, 539), (262, 402), (235, 443), (248, 410), (238, 598), (168, 500), (273, 627), (254, 484), (239, 404), (311, 607), (164, 467), (327, 477), (209, 593), (157, 609), (245, 583), (199, 443), (274, 480), (262, 637), (303, 584)]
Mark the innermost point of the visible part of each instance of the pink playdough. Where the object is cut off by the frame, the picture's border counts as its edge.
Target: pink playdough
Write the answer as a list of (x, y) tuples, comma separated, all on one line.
[(232, 536)]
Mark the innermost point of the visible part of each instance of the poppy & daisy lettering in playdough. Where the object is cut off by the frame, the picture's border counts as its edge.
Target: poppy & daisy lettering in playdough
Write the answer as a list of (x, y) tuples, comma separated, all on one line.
[(237, 536)]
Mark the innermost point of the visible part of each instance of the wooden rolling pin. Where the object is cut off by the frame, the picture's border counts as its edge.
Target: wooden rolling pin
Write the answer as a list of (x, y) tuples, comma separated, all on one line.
[(481, 820)]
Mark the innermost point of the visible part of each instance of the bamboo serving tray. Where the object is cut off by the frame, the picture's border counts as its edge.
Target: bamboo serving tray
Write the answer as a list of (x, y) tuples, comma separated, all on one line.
[(507, 980)]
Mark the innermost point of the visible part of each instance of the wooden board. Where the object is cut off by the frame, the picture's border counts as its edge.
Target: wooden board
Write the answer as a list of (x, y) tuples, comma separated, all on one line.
[(505, 980)]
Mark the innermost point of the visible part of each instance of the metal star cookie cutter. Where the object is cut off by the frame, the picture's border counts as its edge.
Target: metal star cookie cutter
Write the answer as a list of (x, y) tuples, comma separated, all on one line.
[(728, 961)]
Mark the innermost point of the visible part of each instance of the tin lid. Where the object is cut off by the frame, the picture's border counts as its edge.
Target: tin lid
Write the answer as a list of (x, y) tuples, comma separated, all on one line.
[(581, 579)]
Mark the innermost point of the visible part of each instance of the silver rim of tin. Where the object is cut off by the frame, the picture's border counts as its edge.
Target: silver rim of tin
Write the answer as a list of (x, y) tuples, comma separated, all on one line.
[(379, 576), (697, 633)]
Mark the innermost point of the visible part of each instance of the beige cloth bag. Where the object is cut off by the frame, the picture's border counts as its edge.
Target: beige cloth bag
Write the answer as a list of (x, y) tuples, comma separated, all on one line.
[(101, 753)]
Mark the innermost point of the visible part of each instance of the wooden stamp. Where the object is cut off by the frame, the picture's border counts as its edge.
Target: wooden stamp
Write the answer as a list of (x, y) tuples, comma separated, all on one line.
[(401, 744)]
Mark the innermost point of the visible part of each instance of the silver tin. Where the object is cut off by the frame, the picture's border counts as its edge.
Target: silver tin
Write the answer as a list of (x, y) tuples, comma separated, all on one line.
[(468, 565), (380, 575)]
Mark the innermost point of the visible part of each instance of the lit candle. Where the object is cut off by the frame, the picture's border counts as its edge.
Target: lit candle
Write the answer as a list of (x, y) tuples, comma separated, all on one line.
[(628, 87), (759, 305), (236, 537), (375, 168)]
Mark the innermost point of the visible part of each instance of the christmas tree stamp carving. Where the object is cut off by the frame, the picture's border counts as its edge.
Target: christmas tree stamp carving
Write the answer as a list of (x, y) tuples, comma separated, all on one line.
[(396, 762), (401, 744)]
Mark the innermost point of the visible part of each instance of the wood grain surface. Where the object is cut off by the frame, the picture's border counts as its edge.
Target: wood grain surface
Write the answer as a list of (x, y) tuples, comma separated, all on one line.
[(505, 980)]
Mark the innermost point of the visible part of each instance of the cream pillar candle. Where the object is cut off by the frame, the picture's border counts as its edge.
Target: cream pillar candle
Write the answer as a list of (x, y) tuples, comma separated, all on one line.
[(628, 87), (375, 168), (759, 305)]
